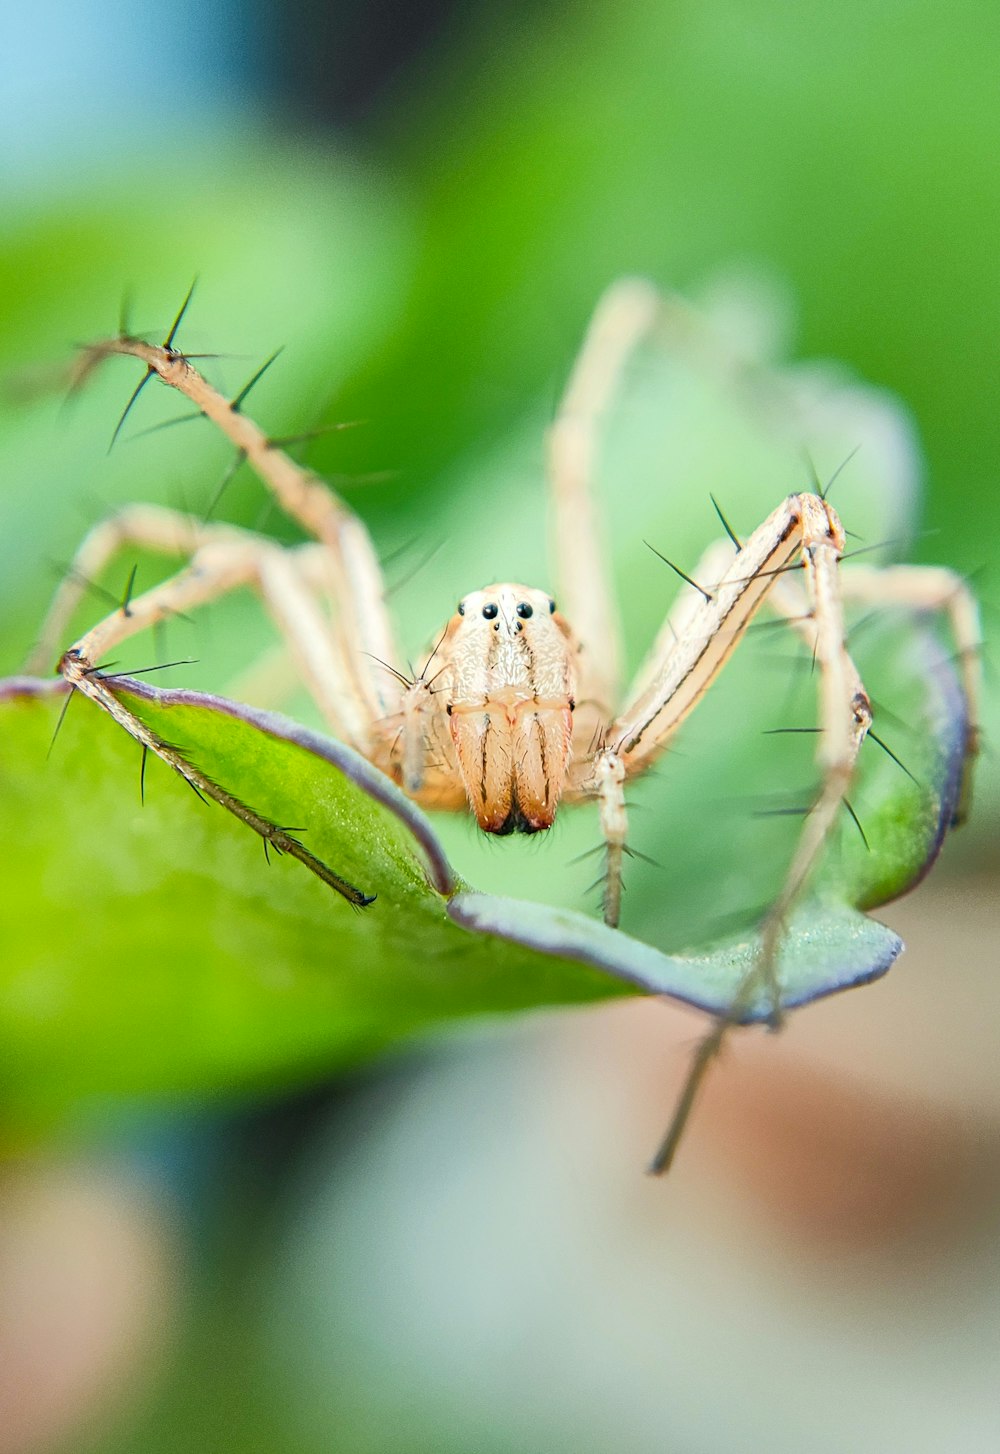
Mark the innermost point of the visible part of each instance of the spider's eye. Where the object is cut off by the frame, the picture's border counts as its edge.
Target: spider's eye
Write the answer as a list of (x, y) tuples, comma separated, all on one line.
[(524, 610), (552, 607), (490, 610), (461, 608)]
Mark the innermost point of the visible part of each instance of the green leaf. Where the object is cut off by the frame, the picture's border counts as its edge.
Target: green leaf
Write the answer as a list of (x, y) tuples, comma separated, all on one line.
[(149, 948)]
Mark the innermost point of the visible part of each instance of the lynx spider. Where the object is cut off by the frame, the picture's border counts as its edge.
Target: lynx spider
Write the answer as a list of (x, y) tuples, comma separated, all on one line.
[(514, 710)]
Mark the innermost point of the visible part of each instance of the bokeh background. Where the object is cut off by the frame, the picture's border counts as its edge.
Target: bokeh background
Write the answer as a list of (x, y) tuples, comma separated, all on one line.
[(459, 1251)]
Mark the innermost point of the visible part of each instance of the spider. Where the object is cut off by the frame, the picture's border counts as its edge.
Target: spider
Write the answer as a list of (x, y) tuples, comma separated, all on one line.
[(517, 707)]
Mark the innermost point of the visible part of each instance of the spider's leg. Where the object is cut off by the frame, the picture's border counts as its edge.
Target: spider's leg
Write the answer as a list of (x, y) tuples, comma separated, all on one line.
[(845, 716), (710, 629), (803, 531), (604, 776), (712, 566), (625, 314), (93, 684), (149, 527), (844, 719), (287, 581), (227, 560), (710, 622), (219, 566), (933, 588), (704, 628), (354, 573)]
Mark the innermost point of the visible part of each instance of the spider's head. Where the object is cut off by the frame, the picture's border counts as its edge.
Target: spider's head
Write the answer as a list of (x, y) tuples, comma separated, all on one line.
[(508, 611)]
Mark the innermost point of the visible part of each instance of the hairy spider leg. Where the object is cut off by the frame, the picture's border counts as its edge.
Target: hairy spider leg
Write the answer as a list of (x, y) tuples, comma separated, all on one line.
[(354, 575), (227, 563)]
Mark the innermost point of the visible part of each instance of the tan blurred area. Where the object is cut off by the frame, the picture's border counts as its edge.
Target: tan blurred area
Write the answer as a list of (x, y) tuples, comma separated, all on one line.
[(877, 1119), (87, 1293), (818, 1271)]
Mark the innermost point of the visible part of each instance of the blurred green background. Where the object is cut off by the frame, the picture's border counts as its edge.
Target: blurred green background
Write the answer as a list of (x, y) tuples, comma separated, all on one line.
[(423, 205)]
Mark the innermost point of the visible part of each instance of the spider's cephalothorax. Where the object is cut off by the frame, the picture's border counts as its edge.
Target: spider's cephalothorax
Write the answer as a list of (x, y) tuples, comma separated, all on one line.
[(508, 676)]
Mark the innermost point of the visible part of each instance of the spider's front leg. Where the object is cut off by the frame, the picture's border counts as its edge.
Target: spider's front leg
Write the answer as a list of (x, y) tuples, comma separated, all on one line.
[(346, 652), (700, 635), (702, 632), (804, 531)]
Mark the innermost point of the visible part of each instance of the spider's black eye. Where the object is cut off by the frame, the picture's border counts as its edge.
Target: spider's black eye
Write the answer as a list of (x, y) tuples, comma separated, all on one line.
[(490, 610), (524, 610), (461, 608), (552, 607)]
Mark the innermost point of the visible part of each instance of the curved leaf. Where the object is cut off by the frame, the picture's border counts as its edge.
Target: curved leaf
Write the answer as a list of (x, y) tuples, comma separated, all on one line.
[(148, 947)]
